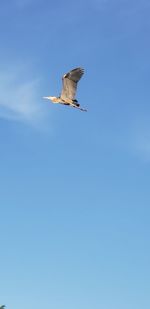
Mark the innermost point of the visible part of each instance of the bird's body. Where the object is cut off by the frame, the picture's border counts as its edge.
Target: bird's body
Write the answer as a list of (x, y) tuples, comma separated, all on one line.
[(69, 89)]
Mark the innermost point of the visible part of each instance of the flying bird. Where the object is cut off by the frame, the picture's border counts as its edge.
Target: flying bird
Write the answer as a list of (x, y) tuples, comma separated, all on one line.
[(69, 88)]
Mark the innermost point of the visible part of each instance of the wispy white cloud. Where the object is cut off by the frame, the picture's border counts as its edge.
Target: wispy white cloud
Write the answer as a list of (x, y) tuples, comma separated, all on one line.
[(19, 97)]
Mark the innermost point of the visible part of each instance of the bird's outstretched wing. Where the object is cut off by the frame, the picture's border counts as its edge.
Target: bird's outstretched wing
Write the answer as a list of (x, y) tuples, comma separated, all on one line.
[(70, 81)]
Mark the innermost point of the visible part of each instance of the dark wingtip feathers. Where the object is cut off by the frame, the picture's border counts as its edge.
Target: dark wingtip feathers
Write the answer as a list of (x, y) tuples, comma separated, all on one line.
[(74, 74)]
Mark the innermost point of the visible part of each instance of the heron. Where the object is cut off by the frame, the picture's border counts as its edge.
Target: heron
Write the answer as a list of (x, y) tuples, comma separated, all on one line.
[(69, 88)]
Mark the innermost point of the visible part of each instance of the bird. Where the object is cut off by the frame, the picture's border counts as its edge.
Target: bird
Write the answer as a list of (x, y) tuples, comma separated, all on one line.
[(69, 88)]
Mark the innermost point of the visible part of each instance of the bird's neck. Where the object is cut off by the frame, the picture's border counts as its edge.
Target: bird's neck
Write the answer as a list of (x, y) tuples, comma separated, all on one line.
[(56, 100)]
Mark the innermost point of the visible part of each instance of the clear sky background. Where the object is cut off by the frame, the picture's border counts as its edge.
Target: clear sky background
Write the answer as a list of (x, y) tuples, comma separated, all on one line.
[(75, 187)]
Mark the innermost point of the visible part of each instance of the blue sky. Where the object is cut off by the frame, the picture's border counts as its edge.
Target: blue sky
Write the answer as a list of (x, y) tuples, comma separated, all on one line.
[(74, 187)]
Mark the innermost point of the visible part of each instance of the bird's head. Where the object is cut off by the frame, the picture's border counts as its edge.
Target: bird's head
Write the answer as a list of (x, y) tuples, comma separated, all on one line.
[(53, 99)]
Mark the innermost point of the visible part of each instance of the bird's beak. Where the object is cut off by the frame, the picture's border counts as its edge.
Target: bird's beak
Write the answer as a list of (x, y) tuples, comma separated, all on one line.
[(46, 98)]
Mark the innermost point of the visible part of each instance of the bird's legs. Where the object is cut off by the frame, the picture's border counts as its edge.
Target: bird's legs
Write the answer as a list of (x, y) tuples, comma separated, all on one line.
[(76, 106), (73, 103)]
